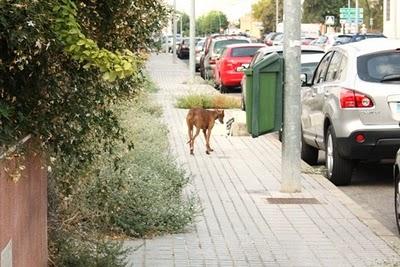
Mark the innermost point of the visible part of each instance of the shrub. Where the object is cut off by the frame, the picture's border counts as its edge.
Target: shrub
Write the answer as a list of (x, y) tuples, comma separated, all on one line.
[(129, 191), (207, 101)]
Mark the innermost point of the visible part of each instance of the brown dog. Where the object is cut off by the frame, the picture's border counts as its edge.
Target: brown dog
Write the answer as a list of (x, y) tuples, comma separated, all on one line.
[(202, 119)]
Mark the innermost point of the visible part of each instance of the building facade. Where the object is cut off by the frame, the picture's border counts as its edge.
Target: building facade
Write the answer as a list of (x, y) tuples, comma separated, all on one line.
[(250, 25), (391, 18)]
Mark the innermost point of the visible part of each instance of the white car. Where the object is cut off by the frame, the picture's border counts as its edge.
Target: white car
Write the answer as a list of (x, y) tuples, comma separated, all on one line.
[(310, 57), (199, 50), (351, 108)]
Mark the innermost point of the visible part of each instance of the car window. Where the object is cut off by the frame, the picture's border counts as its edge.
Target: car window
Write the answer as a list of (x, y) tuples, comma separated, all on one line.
[(320, 73), (220, 44), (223, 52), (244, 51), (308, 69), (333, 69), (255, 58), (379, 67)]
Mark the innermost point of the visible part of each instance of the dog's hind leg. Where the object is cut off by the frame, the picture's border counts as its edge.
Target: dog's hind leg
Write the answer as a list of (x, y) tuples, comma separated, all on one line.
[(209, 149), (208, 134)]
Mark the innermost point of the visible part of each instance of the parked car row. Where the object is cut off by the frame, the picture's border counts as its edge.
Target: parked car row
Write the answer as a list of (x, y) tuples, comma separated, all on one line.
[(350, 98)]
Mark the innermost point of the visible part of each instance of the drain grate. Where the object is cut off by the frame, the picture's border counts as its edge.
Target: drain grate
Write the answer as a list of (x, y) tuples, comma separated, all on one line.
[(286, 200)]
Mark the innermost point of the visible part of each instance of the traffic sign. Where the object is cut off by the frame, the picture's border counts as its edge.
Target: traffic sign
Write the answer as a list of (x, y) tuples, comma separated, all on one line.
[(349, 15), (330, 20), (351, 10)]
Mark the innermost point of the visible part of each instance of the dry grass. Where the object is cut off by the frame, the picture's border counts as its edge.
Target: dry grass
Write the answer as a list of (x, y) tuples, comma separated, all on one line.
[(208, 101)]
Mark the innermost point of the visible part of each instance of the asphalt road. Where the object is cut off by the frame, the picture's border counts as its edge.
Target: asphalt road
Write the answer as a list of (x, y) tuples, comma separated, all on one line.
[(371, 187)]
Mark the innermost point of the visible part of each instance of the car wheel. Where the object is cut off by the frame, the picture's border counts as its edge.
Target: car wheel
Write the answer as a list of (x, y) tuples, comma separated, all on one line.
[(223, 89), (338, 169), (309, 153), (397, 200)]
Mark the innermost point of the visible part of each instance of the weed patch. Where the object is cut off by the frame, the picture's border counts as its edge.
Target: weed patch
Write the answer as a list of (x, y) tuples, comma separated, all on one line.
[(133, 190), (207, 101)]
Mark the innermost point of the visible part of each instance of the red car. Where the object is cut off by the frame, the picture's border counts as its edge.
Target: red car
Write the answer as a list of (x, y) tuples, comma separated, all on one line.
[(233, 56)]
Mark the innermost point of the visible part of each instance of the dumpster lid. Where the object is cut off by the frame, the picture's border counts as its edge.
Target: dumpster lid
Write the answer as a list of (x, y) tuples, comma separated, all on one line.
[(268, 60)]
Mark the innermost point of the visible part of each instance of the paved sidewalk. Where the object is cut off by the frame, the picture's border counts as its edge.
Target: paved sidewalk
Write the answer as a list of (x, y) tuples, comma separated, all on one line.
[(238, 225)]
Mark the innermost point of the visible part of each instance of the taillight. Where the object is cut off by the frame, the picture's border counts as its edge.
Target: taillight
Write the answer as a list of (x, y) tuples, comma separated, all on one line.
[(232, 64), (352, 99), (229, 63)]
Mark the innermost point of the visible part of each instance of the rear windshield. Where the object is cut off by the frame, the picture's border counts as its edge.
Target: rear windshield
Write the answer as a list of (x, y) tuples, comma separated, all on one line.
[(244, 51), (379, 67), (222, 43)]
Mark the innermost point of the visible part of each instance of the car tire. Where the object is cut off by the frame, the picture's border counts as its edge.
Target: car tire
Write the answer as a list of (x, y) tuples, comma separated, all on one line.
[(397, 200), (223, 89), (338, 169), (309, 153)]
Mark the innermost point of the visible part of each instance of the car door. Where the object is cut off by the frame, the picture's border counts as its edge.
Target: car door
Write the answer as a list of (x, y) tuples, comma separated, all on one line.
[(312, 101), (326, 96)]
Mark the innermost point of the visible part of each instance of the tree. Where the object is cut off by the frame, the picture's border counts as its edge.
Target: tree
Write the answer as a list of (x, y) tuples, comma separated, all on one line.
[(374, 10), (212, 22), (184, 18), (265, 11), (315, 11)]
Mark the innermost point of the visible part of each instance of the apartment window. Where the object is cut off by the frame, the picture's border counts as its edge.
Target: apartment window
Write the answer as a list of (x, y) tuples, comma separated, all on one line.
[(388, 10)]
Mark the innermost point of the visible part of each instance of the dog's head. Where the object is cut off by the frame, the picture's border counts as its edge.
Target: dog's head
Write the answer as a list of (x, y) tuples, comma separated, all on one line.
[(220, 115)]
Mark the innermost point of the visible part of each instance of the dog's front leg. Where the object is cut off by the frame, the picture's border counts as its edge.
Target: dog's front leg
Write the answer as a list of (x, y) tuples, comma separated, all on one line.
[(192, 140)]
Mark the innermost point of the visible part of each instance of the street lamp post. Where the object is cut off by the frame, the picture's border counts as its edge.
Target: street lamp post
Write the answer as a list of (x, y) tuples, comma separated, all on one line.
[(174, 34), (192, 54), (276, 15), (357, 15), (291, 161), (180, 18)]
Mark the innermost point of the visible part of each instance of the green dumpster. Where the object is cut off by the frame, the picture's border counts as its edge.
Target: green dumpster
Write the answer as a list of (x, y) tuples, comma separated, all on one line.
[(264, 84)]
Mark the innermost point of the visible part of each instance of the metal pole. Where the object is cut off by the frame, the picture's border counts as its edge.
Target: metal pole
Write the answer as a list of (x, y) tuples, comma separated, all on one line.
[(291, 161), (166, 41), (276, 15), (219, 19), (192, 55), (357, 15), (174, 34), (181, 26)]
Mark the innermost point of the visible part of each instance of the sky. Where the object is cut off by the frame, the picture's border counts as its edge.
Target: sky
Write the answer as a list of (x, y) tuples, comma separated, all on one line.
[(234, 9)]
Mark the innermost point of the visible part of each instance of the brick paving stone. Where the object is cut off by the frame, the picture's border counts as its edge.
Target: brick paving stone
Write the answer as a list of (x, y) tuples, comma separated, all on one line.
[(237, 226)]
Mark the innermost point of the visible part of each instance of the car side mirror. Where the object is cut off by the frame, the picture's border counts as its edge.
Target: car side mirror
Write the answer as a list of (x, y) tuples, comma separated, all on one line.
[(303, 79)]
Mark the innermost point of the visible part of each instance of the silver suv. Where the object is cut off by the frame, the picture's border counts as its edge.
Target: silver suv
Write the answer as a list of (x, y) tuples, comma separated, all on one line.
[(351, 109)]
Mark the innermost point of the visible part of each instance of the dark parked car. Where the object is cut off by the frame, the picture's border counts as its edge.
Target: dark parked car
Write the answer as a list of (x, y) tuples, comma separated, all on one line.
[(350, 38), (183, 48)]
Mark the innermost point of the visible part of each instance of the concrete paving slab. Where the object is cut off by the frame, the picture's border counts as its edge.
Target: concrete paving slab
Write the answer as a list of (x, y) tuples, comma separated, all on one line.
[(238, 226)]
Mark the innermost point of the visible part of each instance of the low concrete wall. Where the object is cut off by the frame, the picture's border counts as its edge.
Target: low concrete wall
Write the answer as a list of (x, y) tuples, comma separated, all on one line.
[(23, 209)]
